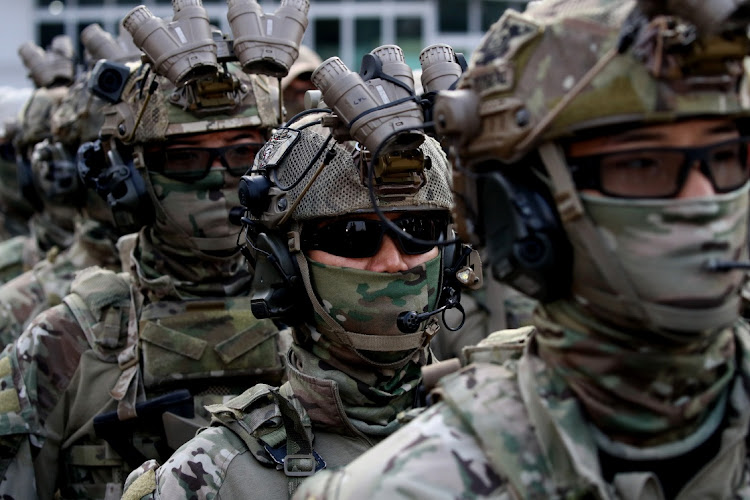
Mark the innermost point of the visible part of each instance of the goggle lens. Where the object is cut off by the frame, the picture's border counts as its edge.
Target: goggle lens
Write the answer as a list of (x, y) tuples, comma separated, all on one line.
[(662, 172), (193, 164), (362, 238)]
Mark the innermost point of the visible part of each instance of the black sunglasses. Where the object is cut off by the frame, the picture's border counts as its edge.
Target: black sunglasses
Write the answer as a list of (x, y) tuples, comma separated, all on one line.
[(360, 238), (192, 164), (662, 172)]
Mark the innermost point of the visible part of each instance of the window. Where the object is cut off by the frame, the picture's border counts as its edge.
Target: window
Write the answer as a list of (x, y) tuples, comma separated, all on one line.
[(48, 31), (409, 38), (493, 9), (367, 38), (327, 37), (453, 16)]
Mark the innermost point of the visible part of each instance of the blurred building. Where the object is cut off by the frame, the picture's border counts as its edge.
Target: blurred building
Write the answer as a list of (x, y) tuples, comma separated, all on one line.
[(345, 28)]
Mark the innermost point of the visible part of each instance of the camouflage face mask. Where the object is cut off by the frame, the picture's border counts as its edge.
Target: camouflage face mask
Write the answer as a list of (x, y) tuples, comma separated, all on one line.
[(664, 245), (197, 210), (369, 302)]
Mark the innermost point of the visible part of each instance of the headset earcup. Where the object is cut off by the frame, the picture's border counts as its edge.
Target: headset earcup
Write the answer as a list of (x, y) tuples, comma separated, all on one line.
[(528, 248), (128, 197), (276, 285)]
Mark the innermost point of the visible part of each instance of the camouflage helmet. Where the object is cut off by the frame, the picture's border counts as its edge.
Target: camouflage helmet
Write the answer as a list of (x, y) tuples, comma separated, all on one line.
[(307, 62), (570, 69), (302, 175), (341, 188), (36, 117), (79, 117), (523, 86), (153, 108)]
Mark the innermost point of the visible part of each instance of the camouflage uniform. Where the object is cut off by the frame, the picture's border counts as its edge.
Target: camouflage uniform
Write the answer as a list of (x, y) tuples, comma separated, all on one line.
[(353, 377), (98, 383), (77, 119), (51, 229), (622, 389), (16, 211)]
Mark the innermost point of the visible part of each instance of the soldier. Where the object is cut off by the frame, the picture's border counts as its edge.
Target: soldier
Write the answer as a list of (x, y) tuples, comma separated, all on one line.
[(297, 82), (352, 370), (77, 119), (52, 225), (16, 210), (604, 163), (99, 383)]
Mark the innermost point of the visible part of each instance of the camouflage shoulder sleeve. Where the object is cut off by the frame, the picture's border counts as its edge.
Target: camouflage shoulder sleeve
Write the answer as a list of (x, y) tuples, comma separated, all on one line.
[(11, 258), (27, 295), (21, 299), (100, 299), (436, 445), (35, 372), (196, 470)]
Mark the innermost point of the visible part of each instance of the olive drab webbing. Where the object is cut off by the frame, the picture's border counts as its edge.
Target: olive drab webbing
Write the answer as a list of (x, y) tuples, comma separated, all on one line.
[(196, 339), (179, 341), (275, 428)]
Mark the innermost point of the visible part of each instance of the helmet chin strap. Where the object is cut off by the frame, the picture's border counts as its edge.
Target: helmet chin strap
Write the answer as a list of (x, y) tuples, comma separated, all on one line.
[(622, 297), (411, 342)]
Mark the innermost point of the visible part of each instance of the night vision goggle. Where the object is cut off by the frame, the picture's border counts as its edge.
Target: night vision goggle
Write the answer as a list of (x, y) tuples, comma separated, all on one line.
[(185, 49)]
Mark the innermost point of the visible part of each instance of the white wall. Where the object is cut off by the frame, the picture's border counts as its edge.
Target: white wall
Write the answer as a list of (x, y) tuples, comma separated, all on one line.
[(16, 27)]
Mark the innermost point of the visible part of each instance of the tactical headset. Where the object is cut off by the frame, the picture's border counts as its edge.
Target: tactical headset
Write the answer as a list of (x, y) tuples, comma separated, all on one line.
[(118, 182), (278, 290), (116, 173)]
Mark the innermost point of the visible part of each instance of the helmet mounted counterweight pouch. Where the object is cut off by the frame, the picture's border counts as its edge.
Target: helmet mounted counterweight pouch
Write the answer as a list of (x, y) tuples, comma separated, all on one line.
[(277, 287), (525, 231)]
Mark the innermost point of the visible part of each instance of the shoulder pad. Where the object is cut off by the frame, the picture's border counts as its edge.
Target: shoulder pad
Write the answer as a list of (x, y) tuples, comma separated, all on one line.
[(100, 299), (256, 417), (125, 246), (252, 415), (99, 287)]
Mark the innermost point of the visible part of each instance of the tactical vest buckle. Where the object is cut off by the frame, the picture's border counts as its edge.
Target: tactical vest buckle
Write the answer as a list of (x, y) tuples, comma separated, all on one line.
[(299, 465)]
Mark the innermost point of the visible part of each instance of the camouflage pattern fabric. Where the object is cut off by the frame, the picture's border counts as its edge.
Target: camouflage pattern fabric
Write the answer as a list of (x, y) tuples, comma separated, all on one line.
[(76, 360), (652, 395), (369, 302), (49, 281), (16, 211), (12, 257), (346, 412), (20, 254), (663, 242), (164, 270), (196, 211), (515, 430)]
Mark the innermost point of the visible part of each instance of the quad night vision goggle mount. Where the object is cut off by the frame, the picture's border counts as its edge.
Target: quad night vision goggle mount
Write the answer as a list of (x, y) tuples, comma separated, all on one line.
[(378, 108), (194, 57)]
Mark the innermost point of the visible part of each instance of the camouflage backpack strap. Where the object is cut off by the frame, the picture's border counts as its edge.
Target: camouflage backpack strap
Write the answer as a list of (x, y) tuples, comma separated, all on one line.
[(483, 394), (499, 346), (276, 430), (98, 298), (104, 304)]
